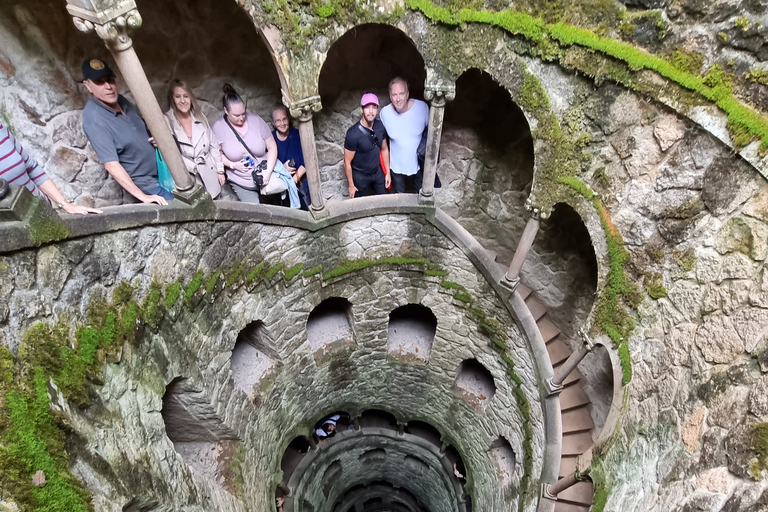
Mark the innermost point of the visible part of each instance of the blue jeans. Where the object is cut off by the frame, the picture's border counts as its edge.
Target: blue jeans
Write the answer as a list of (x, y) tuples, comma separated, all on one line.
[(160, 191)]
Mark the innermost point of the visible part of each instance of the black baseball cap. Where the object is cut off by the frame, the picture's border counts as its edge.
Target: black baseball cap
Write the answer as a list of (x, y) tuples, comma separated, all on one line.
[(93, 69)]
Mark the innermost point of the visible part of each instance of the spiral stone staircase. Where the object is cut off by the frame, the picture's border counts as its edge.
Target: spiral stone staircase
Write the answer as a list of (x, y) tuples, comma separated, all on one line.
[(578, 427)]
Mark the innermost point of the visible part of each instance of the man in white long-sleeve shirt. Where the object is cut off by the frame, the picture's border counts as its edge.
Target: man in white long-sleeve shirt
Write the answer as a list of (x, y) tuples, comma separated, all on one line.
[(405, 120)]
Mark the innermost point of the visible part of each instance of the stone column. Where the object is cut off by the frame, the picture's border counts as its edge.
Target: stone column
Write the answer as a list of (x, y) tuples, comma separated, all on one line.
[(111, 23), (437, 96), (512, 277), (302, 111), (555, 383)]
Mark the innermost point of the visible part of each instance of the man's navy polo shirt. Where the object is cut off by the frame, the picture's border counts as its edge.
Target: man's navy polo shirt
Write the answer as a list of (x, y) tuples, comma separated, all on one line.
[(122, 138)]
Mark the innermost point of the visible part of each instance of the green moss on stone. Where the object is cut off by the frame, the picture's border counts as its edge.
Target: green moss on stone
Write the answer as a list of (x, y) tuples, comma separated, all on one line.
[(317, 269), (255, 273), (757, 76), (193, 286), (760, 444), (654, 285), (151, 302), (347, 266), (44, 225), (293, 271), (689, 62), (450, 285), (463, 297), (172, 294), (686, 260), (272, 272), (234, 273), (6, 369), (123, 293), (210, 283)]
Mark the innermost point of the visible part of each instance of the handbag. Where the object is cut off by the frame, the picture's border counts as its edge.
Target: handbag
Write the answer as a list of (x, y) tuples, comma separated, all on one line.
[(163, 173), (274, 186)]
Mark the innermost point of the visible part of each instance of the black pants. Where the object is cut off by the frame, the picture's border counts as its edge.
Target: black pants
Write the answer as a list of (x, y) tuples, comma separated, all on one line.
[(399, 181), (369, 184)]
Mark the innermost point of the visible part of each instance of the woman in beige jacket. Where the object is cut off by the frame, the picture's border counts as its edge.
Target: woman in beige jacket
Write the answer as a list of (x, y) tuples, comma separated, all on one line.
[(197, 143)]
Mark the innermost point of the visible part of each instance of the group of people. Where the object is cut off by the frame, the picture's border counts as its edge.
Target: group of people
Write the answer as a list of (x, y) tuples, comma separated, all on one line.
[(260, 165), (371, 165)]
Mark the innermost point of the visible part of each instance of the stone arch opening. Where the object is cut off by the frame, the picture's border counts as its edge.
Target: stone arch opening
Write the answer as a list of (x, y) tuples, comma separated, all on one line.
[(486, 162), (474, 382), (199, 435), (253, 358), (504, 458), (292, 456), (425, 431), (561, 269), (376, 418), (367, 57), (411, 332), (363, 60), (329, 326)]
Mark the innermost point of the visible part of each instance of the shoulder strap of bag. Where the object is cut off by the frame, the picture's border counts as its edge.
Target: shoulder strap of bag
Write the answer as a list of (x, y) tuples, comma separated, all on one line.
[(240, 139), (368, 133)]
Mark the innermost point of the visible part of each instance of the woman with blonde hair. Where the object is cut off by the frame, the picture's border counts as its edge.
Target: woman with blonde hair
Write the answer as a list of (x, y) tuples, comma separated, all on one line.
[(196, 141)]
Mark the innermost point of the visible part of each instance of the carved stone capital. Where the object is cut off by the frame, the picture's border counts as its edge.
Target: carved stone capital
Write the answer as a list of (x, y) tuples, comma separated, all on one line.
[(439, 94), (111, 25), (304, 109), (537, 213), (589, 344)]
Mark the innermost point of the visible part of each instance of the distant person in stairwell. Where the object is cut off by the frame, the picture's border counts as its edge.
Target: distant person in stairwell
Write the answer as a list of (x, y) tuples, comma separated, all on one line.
[(405, 120), (18, 168), (289, 152), (365, 150), (120, 137)]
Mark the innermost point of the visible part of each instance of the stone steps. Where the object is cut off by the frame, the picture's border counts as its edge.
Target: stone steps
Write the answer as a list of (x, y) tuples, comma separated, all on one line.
[(574, 407)]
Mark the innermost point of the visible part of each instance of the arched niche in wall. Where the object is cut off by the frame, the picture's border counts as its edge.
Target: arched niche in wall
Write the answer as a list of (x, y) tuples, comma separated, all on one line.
[(411, 332), (376, 418), (475, 383), (363, 60), (253, 358), (292, 456), (206, 44), (504, 458), (486, 162), (198, 433), (425, 431), (329, 327)]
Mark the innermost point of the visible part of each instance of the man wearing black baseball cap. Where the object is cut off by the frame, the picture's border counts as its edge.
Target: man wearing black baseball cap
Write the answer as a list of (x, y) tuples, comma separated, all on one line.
[(119, 136)]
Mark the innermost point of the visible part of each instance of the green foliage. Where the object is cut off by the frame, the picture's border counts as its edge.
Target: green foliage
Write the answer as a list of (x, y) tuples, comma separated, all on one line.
[(193, 286), (326, 10), (654, 285), (6, 368), (172, 294), (450, 285), (463, 297), (272, 272), (347, 266), (435, 271), (741, 22), (238, 465), (686, 260), (655, 253), (293, 271), (722, 36), (317, 269), (210, 284)]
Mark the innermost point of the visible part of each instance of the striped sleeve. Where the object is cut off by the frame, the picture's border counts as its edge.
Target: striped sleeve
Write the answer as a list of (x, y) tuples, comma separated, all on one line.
[(17, 167)]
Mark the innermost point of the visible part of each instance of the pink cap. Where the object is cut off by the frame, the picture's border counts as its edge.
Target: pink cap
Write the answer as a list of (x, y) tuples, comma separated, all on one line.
[(369, 98)]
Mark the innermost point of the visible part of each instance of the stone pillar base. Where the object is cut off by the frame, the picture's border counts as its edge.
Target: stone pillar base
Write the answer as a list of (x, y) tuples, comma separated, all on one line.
[(15, 205), (319, 213), (428, 200), (510, 284), (191, 196)]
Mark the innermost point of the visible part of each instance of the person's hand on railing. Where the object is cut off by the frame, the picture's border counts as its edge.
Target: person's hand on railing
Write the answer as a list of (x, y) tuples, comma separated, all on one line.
[(279, 502)]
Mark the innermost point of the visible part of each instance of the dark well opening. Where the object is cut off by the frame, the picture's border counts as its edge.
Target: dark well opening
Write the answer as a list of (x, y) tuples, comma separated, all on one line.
[(425, 431), (293, 455), (411, 331), (475, 383), (330, 321)]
